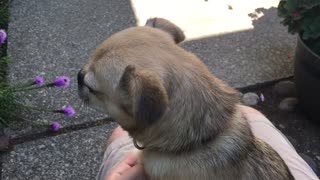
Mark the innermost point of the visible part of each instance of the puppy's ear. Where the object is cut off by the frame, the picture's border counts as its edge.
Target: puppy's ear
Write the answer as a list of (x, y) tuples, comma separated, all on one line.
[(146, 98), (168, 27)]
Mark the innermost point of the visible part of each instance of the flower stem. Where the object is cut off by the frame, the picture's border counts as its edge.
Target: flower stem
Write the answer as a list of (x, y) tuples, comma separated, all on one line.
[(33, 108), (36, 123), (32, 88), (30, 83), (16, 87)]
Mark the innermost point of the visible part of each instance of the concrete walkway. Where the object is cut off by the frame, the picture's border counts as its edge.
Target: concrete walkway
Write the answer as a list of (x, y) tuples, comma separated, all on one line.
[(243, 44)]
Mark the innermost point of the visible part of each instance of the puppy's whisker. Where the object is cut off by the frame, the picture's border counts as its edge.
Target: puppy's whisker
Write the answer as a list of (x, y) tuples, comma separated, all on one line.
[(83, 106)]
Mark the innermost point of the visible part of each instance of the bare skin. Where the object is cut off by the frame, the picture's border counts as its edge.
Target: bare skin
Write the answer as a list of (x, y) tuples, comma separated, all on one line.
[(129, 169)]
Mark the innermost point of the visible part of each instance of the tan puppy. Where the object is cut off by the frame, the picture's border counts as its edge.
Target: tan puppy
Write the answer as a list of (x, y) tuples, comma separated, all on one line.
[(187, 121)]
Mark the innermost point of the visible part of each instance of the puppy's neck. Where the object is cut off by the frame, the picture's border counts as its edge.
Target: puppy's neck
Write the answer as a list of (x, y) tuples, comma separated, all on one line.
[(220, 158), (204, 114)]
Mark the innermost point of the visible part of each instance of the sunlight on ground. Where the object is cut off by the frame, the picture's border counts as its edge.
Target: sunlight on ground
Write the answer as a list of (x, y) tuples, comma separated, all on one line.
[(200, 18)]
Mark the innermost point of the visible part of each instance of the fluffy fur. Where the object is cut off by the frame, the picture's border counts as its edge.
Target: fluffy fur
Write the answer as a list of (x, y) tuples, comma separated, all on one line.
[(187, 120)]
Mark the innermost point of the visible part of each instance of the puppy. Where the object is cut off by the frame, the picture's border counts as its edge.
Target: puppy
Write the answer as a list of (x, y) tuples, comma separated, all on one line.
[(186, 121)]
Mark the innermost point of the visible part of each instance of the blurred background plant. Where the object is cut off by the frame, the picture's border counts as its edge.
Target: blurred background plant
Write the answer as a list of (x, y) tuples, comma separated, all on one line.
[(4, 17), (4, 60), (10, 107), (302, 17)]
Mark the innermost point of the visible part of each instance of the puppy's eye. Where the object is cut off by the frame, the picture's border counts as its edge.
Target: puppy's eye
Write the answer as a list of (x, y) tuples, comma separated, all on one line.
[(90, 82), (90, 89)]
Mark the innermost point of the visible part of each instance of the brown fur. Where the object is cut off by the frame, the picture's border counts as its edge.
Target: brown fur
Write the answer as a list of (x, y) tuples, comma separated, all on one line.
[(188, 120)]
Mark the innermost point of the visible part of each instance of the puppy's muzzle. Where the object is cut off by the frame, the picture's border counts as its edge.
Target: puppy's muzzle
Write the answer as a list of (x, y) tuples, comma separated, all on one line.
[(80, 78), (82, 90)]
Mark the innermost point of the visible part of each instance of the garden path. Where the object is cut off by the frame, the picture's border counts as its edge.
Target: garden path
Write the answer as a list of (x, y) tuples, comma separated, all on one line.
[(243, 44)]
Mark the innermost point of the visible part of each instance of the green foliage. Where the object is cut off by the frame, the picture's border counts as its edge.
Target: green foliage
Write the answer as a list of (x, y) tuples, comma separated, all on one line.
[(5, 60), (3, 66), (8, 107), (302, 17), (4, 13)]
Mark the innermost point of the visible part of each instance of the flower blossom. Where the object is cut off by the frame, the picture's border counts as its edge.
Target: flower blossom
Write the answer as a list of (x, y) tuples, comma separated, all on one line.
[(55, 126), (38, 80), (262, 97), (67, 111), (3, 36), (62, 81)]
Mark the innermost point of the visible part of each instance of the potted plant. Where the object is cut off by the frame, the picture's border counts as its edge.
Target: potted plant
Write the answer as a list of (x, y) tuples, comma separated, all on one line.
[(303, 18)]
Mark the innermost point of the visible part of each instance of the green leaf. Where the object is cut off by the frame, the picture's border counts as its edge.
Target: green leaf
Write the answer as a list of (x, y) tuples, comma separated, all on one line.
[(282, 11), (5, 60), (290, 6), (306, 35), (308, 4), (315, 30), (311, 27)]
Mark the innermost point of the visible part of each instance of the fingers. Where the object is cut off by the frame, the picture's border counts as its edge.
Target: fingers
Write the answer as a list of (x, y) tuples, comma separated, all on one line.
[(123, 168), (125, 164), (126, 168), (132, 159), (134, 173)]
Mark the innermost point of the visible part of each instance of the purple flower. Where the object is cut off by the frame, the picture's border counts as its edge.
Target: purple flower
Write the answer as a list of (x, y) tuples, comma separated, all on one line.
[(38, 80), (55, 126), (62, 81), (3, 36), (262, 97), (68, 111)]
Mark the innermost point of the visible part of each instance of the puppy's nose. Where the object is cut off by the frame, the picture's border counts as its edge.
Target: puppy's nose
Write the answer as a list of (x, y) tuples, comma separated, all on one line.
[(80, 78)]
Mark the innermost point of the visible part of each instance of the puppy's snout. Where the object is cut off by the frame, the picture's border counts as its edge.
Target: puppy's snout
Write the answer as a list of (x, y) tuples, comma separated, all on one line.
[(81, 75), (81, 86)]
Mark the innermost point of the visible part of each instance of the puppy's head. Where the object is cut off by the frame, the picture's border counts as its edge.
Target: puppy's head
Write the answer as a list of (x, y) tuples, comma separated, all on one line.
[(152, 88), (120, 79)]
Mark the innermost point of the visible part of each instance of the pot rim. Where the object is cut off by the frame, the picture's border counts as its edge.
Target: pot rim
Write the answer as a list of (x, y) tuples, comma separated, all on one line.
[(306, 47)]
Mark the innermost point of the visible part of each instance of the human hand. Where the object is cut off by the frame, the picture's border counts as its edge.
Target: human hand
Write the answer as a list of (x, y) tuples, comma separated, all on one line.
[(129, 169)]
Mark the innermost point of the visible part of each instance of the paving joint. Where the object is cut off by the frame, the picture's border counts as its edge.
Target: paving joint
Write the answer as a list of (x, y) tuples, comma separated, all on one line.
[(265, 84), (48, 133)]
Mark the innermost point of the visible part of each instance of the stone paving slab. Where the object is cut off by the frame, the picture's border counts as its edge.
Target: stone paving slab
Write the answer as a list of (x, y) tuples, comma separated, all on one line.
[(53, 38), (202, 18), (252, 56), (243, 43), (76, 155)]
